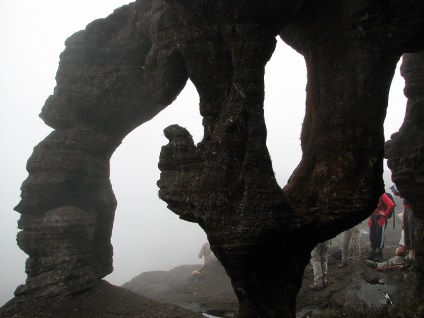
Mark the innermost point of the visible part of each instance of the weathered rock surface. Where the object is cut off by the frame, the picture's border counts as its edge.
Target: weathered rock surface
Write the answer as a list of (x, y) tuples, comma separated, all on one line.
[(209, 291), (352, 289), (103, 300), (405, 149), (121, 71)]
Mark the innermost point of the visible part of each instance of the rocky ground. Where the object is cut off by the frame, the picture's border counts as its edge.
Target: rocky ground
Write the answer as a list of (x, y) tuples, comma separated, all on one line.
[(105, 300), (177, 293), (353, 288)]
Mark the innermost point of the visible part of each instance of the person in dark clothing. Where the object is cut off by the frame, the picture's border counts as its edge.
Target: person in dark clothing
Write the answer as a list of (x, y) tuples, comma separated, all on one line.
[(377, 223)]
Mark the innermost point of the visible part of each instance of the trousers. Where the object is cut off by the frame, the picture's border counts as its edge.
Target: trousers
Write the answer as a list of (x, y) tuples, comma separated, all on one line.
[(319, 260), (353, 234)]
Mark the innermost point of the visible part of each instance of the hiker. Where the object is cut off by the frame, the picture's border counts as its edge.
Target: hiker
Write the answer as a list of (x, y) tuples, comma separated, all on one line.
[(319, 259), (407, 224), (397, 261), (353, 234), (209, 258), (377, 223)]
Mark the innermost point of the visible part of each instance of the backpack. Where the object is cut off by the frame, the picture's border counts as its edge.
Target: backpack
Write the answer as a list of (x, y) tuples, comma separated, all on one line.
[(393, 200)]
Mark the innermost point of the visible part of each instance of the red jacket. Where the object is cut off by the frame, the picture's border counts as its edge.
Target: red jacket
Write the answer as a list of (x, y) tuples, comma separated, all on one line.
[(386, 205)]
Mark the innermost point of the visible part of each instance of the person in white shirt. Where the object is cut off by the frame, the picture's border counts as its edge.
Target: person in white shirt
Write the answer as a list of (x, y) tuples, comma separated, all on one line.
[(209, 258)]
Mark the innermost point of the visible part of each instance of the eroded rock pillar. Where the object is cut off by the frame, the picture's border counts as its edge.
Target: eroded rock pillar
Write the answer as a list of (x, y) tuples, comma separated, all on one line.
[(67, 212), (226, 183), (68, 205), (342, 136), (405, 149)]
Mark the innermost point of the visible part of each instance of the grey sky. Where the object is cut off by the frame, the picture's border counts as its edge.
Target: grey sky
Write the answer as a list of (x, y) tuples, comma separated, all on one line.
[(146, 235)]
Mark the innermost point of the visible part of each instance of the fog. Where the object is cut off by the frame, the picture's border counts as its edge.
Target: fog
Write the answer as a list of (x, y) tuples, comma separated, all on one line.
[(146, 235)]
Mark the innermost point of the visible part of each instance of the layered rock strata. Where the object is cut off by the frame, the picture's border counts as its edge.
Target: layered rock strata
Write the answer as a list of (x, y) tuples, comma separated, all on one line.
[(405, 149), (68, 204), (121, 71)]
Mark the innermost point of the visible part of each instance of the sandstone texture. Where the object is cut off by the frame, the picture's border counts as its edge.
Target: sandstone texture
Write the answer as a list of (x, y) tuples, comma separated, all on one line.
[(122, 70)]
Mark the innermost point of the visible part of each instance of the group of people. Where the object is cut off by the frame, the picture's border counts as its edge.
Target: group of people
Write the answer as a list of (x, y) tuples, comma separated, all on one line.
[(406, 247), (377, 223)]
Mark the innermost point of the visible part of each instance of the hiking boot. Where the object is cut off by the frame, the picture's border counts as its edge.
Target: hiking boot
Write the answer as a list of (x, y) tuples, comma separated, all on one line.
[(370, 263), (377, 258), (371, 254), (342, 264), (317, 287), (324, 280), (379, 255)]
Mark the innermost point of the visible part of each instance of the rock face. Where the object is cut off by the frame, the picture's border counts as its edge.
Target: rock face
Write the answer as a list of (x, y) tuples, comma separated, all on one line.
[(405, 149), (121, 71)]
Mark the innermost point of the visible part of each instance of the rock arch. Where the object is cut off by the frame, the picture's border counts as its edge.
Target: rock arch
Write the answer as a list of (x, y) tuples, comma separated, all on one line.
[(122, 70)]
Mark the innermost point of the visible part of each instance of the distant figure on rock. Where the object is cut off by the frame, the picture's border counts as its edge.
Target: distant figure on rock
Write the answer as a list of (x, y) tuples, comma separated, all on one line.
[(209, 258), (377, 223), (319, 260), (353, 234)]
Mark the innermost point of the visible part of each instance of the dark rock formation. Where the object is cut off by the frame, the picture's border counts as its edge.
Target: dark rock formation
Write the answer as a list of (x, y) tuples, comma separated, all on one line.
[(121, 71), (67, 212), (405, 149)]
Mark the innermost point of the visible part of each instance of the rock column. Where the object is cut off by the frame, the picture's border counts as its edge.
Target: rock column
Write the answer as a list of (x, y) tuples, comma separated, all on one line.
[(67, 212), (226, 183), (405, 150)]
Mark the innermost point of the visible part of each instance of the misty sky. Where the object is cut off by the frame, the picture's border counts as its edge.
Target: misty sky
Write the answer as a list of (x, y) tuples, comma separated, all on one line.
[(146, 235)]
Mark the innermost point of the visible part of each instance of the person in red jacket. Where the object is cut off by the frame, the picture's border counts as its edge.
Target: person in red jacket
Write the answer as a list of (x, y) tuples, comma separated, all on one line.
[(377, 223)]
